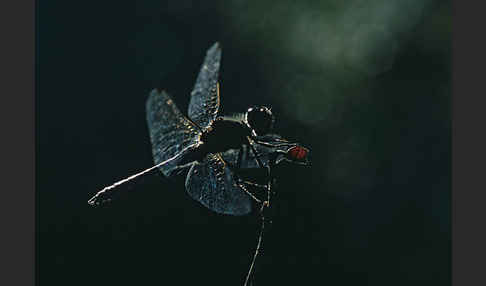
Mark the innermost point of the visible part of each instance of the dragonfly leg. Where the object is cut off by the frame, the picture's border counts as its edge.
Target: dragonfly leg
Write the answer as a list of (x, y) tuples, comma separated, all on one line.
[(241, 183), (271, 163), (242, 186), (259, 186), (245, 184), (255, 153)]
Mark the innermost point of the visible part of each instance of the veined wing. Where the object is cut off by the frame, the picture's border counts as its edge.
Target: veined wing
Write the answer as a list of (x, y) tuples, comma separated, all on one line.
[(204, 103), (170, 132), (212, 184)]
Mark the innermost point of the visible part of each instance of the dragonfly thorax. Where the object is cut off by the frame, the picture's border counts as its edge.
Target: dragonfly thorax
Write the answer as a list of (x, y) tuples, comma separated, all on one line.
[(223, 135)]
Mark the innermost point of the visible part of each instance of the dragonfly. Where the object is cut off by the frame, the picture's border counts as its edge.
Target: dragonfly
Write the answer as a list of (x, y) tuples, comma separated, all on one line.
[(212, 147)]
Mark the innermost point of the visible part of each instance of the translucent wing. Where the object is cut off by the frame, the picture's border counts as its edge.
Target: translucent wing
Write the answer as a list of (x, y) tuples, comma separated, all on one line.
[(170, 132), (212, 184), (204, 103)]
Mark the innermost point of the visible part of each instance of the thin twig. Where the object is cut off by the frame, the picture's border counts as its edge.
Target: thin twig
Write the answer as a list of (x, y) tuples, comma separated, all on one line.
[(257, 250), (262, 229)]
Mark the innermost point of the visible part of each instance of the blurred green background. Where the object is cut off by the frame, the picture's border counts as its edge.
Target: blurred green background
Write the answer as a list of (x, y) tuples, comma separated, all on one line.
[(365, 84)]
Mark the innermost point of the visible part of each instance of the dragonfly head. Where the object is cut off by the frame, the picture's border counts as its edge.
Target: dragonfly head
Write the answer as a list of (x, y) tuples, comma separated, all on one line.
[(260, 119)]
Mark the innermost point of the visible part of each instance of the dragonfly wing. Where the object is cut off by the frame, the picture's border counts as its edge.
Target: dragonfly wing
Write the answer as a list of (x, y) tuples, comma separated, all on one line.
[(171, 133), (204, 103), (212, 184)]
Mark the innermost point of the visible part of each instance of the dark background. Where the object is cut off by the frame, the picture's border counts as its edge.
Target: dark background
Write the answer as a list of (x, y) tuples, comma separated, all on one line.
[(364, 84)]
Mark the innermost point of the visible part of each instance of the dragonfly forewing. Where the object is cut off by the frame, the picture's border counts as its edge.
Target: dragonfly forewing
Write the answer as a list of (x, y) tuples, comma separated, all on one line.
[(204, 103), (170, 131)]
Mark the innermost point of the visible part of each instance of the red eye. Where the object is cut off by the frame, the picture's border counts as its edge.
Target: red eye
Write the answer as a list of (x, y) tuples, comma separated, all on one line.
[(297, 153)]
